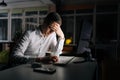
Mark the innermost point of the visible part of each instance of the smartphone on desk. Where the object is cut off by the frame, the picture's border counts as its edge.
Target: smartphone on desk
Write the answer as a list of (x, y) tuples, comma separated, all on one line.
[(45, 69)]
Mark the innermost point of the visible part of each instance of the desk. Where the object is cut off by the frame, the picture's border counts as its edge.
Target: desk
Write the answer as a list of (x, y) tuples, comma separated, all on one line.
[(79, 71)]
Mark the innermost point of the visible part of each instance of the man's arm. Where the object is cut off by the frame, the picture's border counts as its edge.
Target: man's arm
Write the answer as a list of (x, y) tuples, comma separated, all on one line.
[(58, 44), (20, 48)]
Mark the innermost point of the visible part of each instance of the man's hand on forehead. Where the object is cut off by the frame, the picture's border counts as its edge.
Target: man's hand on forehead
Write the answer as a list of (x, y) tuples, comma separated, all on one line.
[(57, 29), (55, 26)]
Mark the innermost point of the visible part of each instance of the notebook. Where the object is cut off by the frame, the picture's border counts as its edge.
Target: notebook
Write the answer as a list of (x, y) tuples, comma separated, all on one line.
[(63, 60)]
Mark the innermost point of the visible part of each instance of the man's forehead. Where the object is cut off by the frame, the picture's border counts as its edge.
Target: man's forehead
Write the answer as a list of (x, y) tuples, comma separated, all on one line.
[(55, 23)]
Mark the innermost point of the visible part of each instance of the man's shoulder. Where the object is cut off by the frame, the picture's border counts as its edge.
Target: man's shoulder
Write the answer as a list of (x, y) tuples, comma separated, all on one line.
[(31, 31)]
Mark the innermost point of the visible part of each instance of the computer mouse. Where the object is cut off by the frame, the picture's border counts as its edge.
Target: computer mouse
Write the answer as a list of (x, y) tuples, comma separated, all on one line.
[(36, 65)]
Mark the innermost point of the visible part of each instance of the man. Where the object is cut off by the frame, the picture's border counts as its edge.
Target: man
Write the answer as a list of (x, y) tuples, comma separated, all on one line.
[(35, 44)]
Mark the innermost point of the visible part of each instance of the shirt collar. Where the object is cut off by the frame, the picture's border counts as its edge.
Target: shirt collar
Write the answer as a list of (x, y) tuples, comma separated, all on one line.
[(38, 32)]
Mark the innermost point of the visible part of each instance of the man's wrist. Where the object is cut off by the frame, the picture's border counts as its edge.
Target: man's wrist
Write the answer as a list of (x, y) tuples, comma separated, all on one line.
[(61, 37)]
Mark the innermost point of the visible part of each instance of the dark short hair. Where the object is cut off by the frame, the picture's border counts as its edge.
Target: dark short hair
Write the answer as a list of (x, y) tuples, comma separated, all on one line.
[(52, 17)]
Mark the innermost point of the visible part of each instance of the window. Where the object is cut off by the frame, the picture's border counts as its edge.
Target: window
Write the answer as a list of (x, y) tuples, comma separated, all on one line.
[(72, 23), (3, 29), (4, 25), (68, 23), (16, 27), (15, 21), (34, 17), (106, 22)]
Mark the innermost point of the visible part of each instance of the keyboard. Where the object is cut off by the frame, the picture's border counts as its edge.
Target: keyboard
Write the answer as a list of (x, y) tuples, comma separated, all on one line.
[(79, 60), (63, 60)]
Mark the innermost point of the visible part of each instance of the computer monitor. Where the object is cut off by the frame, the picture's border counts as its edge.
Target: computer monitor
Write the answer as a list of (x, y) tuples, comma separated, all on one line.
[(85, 37)]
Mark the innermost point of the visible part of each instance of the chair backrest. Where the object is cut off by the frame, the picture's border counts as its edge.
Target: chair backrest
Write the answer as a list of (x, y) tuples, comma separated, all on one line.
[(85, 37)]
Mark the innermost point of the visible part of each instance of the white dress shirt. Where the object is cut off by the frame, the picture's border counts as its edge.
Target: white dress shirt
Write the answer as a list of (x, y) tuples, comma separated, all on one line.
[(34, 44)]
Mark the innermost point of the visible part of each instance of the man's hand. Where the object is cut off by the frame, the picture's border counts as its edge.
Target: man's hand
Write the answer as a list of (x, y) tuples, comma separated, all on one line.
[(54, 58), (57, 29), (47, 59)]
